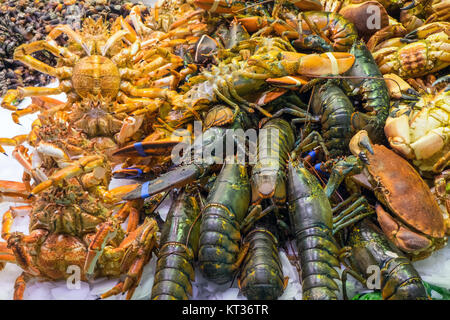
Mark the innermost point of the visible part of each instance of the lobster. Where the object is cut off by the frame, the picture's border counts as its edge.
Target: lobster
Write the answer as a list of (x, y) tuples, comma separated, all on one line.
[(226, 206), (217, 122), (313, 226), (365, 75), (310, 214), (333, 110), (178, 246), (268, 179), (322, 31), (370, 247), (261, 273)]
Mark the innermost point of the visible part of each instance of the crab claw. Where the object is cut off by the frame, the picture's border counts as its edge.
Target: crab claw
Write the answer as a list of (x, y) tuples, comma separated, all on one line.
[(360, 143)]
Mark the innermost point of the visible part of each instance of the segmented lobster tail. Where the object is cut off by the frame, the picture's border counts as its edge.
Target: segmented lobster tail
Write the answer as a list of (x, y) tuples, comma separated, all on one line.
[(311, 219), (317, 254), (174, 268), (370, 247), (261, 276), (268, 178), (335, 110), (226, 207)]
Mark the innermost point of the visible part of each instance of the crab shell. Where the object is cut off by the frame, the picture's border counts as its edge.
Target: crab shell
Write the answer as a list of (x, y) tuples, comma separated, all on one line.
[(417, 222)]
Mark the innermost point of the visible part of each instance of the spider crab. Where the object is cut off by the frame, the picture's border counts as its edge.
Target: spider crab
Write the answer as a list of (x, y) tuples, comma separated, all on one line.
[(109, 62), (71, 226)]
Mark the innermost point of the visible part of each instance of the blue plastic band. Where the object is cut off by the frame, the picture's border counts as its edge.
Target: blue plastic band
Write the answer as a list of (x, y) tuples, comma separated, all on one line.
[(317, 167), (140, 149), (313, 155), (144, 190)]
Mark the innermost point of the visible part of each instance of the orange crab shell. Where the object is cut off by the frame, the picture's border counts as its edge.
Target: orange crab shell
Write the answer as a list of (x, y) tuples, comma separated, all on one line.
[(405, 192)]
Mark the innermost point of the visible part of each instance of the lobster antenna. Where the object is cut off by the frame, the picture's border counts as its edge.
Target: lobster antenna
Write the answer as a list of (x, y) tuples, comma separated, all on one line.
[(253, 5), (195, 220), (358, 77)]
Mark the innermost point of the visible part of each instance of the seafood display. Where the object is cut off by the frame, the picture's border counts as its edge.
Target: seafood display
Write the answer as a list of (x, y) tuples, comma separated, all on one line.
[(303, 134)]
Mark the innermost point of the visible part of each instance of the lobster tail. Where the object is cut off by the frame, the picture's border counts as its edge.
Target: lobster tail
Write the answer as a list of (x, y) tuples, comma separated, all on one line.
[(317, 253), (174, 269), (261, 276), (311, 219), (268, 178), (225, 209)]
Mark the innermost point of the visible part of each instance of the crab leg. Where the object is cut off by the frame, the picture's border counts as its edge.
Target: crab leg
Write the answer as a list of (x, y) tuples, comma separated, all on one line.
[(131, 34), (106, 232), (14, 141), (75, 36), (146, 92), (13, 191), (130, 126), (6, 255), (17, 243), (9, 216), (23, 54), (22, 92), (20, 154), (112, 40), (84, 165), (20, 285), (138, 247)]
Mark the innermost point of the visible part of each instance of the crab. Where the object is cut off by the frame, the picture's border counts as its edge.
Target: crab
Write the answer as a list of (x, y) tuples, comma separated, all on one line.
[(407, 211), (73, 223), (110, 62), (421, 52), (421, 131)]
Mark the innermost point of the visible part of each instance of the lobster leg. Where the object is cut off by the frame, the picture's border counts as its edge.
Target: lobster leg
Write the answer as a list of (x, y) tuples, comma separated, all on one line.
[(355, 212)]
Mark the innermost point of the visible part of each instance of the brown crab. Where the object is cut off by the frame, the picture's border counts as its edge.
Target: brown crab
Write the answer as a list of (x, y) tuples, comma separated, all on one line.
[(408, 211)]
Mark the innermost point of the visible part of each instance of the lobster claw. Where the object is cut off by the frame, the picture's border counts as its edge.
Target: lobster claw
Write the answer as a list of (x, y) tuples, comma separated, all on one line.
[(326, 63), (219, 6), (313, 65), (176, 178), (288, 81), (145, 149)]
